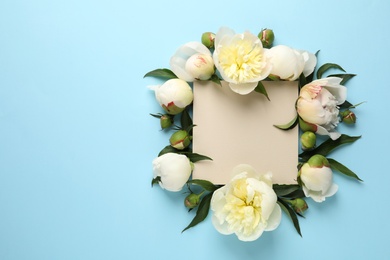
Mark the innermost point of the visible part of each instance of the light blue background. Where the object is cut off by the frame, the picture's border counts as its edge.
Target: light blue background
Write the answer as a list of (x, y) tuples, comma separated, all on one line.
[(77, 141)]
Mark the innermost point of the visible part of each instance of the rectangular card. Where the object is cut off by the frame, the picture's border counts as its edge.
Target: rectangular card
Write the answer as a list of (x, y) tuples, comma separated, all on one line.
[(237, 129)]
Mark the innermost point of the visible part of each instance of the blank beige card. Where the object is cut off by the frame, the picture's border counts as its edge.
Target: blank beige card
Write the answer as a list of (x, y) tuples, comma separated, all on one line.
[(234, 129)]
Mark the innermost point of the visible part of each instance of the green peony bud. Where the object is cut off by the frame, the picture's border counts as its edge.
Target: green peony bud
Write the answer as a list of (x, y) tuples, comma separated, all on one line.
[(267, 37), (208, 39), (180, 139), (348, 117), (192, 200), (318, 161), (299, 205), (166, 121), (308, 140)]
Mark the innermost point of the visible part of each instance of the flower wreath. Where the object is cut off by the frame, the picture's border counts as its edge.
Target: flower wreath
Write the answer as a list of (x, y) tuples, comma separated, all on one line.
[(250, 203)]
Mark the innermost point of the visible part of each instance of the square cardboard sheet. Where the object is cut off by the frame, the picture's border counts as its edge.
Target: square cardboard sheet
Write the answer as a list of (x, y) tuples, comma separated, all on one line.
[(237, 129)]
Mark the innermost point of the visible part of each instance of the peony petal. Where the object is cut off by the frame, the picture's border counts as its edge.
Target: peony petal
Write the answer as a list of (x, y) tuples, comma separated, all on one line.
[(332, 190), (274, 219), (310, 62), (243, 88), (253, 236), (315, 195), (337, 90), (317, 179), (269, 199), (223, 32), (249, 170), (322, 131), (221, 227), (177, 65), (311, 111)]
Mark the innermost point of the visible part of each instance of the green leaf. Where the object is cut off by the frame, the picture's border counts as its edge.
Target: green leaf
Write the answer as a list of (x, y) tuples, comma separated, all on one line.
[(291, 213), (354, 106), (261, 89), (329, 145), (186, 120), (302, 80), (195, 157), (283, 190), (341, 168), (345, 77), (326, 67), (202, 212), (214, 78), (156, 115), (170, 149), (207, 185), (161, 73), (289, 125), (156, 180), (346, 104)]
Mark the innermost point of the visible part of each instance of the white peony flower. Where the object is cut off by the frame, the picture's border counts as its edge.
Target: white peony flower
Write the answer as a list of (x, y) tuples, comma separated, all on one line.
[(318, 104), (317, 178), (192, 61), (246, 206), (240, 59), (288, 63), (174, 95), (173, 170)]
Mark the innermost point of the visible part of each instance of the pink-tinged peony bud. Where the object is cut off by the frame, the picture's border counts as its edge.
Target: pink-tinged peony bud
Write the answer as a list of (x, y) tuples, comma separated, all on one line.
[(299, 205), (348, 117), (200, 66), (317, 178), (180, 139), (192, 200), (208, 39), (174, 95), (308, 140), (267, 37), (192, 61)]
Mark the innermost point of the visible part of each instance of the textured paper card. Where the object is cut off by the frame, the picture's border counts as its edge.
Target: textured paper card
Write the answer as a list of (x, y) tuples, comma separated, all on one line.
[(233, 129)]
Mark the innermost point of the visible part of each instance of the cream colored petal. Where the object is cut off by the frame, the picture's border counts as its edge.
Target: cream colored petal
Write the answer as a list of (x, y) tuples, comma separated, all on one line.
[(274, 219), (316, 179), (311, 111), (243, 88)]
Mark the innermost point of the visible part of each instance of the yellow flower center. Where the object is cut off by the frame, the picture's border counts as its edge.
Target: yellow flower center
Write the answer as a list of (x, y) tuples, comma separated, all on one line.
[(243, 208), (242, 61)]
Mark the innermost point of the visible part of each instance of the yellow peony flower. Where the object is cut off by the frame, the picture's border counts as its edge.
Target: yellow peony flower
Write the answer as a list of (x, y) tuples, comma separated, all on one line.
[(240, 59), (246, 205)]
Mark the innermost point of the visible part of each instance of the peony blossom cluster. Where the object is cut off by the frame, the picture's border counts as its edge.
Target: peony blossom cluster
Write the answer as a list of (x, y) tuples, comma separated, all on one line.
[(248, 205), (240, 59)]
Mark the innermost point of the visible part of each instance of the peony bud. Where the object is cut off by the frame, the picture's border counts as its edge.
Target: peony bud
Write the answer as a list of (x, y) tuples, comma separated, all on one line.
[(180, 139), (172, 171), (192, 61), (200, 66), (208, 39), (317, 178), (308, 140), (299, 205), (166, 121), (266, 37), (348, 117), (192, 200), (174, 95)]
